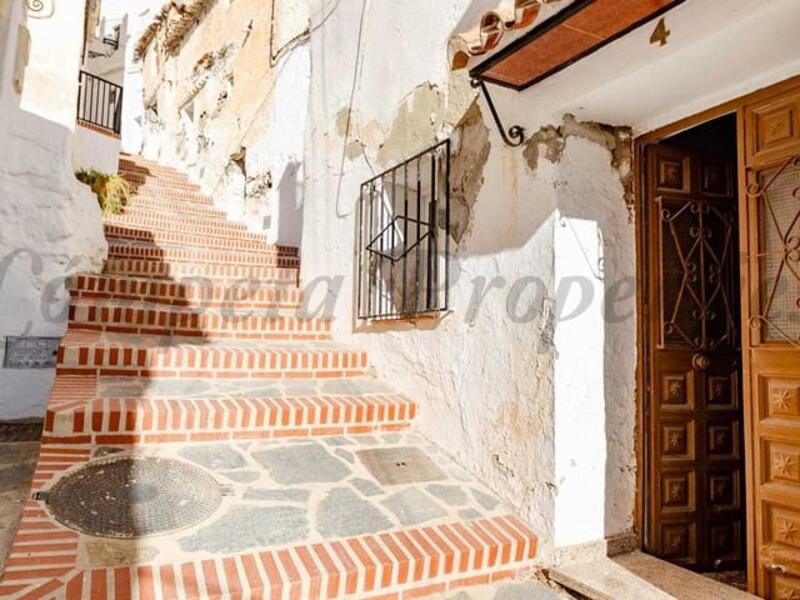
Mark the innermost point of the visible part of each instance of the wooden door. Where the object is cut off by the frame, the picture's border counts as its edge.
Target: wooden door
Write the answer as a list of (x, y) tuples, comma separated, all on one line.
[(771, 311), (694, 472)]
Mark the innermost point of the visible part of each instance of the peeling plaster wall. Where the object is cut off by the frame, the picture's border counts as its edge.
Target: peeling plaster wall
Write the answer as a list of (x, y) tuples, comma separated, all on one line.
[(51, 223), (216, 100), (486, 379), (542, 408)]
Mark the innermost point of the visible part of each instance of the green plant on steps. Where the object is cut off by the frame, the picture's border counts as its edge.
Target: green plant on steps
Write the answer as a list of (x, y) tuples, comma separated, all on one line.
[(111, 189)]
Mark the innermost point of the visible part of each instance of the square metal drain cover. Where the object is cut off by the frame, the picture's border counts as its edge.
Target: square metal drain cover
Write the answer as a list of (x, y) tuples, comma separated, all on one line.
[(392, 466)]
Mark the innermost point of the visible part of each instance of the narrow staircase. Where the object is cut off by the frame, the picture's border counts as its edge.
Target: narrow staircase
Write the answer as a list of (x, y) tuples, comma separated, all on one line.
[(207, 439)]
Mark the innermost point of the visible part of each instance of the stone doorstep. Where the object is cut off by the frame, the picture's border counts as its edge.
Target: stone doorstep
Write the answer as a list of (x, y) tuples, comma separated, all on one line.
[(639, 576), (434, 552), (186, 294)]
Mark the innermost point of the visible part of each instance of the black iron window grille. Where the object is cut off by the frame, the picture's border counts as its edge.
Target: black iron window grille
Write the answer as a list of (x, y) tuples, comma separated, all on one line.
[(404, 238), (99, 102)]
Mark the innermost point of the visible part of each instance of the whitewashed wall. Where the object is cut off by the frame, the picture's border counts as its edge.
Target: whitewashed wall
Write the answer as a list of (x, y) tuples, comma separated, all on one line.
[(95, 150), (543, 410), (121, 68), (51, 224)]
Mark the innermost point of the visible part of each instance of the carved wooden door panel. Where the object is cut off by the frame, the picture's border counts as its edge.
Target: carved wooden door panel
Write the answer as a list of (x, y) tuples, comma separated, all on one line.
[(771, 206), (695, 474)]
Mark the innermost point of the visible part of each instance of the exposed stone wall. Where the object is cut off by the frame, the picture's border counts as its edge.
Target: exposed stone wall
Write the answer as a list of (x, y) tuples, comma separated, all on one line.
[(211, 70), (51, 224)]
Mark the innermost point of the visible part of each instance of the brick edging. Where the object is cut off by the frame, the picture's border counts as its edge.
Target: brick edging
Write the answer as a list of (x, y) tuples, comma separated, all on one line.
[(98, 129)]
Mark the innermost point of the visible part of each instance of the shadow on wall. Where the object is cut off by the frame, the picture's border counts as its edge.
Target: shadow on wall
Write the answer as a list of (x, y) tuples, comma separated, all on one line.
[(289, 226)]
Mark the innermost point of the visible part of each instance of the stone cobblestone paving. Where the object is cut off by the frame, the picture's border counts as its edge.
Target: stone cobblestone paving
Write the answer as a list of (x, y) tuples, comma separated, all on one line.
[(301, 491), (17, 462)]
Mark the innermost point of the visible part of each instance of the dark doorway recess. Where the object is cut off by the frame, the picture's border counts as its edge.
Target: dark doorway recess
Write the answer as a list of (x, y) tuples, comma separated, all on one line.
[(694, 421)]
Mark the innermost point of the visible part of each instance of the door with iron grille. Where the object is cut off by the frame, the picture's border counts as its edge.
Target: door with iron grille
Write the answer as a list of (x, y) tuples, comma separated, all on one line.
[(771, 206), (694, 467)]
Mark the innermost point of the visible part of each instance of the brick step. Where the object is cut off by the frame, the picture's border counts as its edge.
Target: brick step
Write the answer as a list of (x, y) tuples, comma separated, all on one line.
[(197, 224), (113, 354), (219, 274), (190, 293), (143, 165), (353, 553), (153, 205), (178, 180), (168, 193), (113, 410), (270, 256), (184, 237), (122, 316), (165, 173)]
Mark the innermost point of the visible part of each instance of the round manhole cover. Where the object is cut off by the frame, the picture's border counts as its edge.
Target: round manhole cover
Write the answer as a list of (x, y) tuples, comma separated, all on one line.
[(134, 496)]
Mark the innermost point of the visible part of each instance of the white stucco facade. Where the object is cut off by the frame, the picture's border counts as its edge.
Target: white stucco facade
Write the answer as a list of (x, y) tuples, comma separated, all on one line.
[(529, 378), (51, 224), (96, 150), (118, 65), (543, 409)]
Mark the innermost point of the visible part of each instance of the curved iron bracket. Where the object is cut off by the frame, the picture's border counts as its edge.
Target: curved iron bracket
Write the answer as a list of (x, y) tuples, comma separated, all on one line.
[(516, 134)]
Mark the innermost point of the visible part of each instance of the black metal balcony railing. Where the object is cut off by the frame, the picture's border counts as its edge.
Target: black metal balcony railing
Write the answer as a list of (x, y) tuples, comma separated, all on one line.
[(403, 238), (99, 102)]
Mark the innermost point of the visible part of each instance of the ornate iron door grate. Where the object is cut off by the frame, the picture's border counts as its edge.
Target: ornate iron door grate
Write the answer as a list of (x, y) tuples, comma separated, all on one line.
[(404, 238)]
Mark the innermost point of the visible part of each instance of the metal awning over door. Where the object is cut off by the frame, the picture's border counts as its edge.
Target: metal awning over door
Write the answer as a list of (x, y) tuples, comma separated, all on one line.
[(580, 29)]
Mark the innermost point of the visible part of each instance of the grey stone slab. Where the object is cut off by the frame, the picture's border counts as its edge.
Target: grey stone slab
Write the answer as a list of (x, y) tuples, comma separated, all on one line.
[(214, 456), (345, 455), (111, 553), (13, 500), (469, 514), (412, 507), (527, 590), (367, 487), (105, 451), (354, 386), (246, 527), (343, 514), (242, 476), (452, 495), (337, 440), (366, 440), (302, 463), (405, 464), (485, 500), (392, 438), (457, 472), (281, 495), (12, 476)]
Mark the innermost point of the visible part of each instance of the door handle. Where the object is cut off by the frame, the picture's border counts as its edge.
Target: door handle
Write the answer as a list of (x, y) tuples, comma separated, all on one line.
[(776, 568), (701, 362)]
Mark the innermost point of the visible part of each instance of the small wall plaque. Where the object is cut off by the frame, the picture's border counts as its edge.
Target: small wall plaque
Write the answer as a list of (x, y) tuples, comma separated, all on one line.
[(31, 352)]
